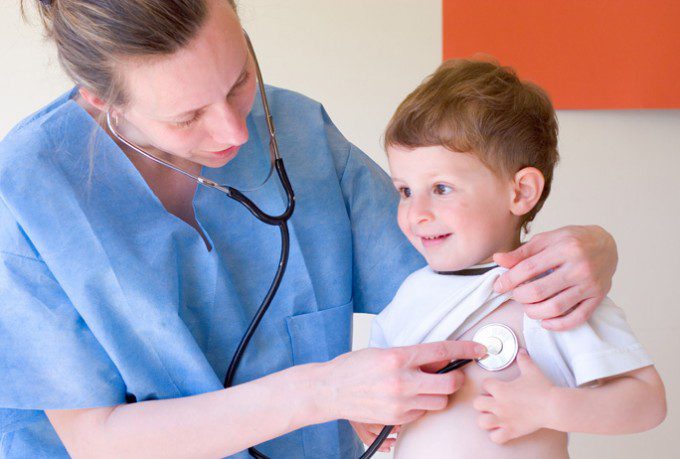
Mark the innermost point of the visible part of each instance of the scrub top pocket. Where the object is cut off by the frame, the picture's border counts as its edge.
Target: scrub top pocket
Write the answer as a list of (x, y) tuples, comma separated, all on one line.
[(320, 336)]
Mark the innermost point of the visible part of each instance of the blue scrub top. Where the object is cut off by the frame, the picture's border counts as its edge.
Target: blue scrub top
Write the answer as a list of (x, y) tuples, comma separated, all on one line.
[(104, 295)]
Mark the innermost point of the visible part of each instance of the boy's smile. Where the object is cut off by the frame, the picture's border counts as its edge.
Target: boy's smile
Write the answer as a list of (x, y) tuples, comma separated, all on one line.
[(453, 209)]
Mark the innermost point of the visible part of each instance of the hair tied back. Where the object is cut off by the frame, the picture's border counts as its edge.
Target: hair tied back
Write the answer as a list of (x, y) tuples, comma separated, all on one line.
[(46, 3)]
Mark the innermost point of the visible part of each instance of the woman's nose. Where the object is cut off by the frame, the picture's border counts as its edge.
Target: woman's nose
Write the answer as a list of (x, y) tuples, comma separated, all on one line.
[(227, 126)]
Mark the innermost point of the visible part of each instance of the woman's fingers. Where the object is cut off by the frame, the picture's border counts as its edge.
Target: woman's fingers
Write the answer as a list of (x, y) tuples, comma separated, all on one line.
[(539, 259), (387, 446), (535, 245), (386, 385), (589, 251), (574, 318), (423, 354), (555, 306), (541, 288), (434, 366), (430, 402), (578, 263), (445, 384), (369, 432), (375, 430)]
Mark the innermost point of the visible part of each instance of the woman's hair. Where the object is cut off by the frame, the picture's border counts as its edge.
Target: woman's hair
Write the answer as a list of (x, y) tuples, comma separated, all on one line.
[(93, 35)]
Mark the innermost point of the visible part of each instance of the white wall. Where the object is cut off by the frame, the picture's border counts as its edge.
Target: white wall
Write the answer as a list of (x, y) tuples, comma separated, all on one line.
[(619, 168)]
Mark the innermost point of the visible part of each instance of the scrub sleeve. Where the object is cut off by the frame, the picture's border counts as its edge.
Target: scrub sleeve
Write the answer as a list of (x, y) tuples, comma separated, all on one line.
[(49, 357), (382, 256)]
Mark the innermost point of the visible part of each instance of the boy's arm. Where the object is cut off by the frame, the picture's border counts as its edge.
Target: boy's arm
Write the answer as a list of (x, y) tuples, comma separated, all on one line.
[(627, 403)]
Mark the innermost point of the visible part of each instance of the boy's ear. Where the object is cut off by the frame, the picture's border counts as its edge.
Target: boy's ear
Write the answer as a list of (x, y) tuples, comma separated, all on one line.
[(527, 189)]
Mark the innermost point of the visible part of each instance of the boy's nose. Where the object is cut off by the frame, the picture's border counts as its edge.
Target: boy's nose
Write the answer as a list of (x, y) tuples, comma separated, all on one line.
[(420, 210)]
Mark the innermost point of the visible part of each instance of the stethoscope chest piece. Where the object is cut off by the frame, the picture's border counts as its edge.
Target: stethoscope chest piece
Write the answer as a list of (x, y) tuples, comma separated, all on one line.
[(501, 344)]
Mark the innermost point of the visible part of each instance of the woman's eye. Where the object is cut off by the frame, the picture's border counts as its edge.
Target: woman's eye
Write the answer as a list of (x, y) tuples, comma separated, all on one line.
[(239, 84), (442, 189), (187, 123), (405, 192)]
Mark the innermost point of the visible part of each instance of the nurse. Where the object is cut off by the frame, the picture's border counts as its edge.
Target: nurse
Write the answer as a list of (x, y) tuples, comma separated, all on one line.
[(124, 289)]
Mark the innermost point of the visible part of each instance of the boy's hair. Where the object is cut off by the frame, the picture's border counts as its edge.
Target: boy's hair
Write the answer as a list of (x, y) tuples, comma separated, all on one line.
[(482, 108)]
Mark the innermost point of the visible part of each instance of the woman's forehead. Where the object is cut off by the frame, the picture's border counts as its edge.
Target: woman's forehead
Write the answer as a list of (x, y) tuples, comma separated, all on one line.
[(199, 74)]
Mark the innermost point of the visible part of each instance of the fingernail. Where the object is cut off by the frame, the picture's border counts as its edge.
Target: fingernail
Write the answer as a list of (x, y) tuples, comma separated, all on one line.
[(480, 350), (497, 286)]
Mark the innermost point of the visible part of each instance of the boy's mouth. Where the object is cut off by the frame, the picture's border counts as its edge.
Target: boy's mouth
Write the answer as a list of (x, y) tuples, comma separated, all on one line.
[(430, 241)]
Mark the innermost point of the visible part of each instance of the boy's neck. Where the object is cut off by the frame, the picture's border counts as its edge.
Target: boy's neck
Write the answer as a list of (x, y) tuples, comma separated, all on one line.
[(487, 263), (509, 246)]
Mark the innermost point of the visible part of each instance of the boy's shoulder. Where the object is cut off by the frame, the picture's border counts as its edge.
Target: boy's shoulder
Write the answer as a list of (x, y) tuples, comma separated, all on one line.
[(603, 346)]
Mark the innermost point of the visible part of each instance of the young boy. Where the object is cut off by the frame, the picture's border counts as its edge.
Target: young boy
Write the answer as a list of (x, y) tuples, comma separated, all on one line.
[(472, 152)]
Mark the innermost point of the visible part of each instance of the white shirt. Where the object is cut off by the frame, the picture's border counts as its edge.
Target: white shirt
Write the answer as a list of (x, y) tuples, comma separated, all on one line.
[(432, 307)]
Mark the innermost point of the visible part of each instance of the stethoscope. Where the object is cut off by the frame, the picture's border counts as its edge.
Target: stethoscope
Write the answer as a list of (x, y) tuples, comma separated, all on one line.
[(281, 220), (501, 346), (500, 341)]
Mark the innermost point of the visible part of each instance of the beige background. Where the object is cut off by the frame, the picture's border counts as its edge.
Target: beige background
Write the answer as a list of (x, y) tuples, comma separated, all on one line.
[(619, 169)]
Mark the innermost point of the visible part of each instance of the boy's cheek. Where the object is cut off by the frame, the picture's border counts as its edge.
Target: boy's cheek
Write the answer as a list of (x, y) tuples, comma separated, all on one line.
[(406, 230), (402, 221)]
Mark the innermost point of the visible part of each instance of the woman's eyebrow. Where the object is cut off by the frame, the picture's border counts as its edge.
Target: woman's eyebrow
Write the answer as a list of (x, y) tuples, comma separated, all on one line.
[(192, 111)]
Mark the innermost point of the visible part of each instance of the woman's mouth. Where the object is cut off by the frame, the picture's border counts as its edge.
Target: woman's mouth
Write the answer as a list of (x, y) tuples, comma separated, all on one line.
[(229, 152), (433, 241)]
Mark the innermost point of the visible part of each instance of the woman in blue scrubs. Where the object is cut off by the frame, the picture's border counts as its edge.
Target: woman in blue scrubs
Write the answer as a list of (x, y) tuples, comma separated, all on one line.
[(125, 289)]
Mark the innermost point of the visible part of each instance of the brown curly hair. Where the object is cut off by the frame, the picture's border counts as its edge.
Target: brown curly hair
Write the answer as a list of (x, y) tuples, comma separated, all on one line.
[(483, 108)]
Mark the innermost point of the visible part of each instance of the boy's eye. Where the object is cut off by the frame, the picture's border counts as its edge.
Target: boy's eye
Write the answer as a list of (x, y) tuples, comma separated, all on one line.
[(442, 189), (405, 192)]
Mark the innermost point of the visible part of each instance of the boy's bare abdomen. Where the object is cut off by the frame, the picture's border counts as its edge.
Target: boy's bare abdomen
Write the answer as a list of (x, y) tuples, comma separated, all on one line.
[(454, 432)]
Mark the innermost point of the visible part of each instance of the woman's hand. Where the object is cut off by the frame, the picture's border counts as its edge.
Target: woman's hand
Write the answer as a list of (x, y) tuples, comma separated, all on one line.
[(515, 408), (389, 386), (369, 432), (580, 262)]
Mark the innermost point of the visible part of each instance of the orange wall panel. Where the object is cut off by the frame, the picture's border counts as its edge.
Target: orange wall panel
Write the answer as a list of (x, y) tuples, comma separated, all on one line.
[(588, 54)]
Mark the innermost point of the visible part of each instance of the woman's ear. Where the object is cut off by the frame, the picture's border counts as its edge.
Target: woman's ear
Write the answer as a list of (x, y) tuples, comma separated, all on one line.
[(92, 99), (527, 189)]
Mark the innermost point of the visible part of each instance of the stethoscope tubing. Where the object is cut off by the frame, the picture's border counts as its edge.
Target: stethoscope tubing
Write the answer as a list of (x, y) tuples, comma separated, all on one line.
[(282, 222)]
